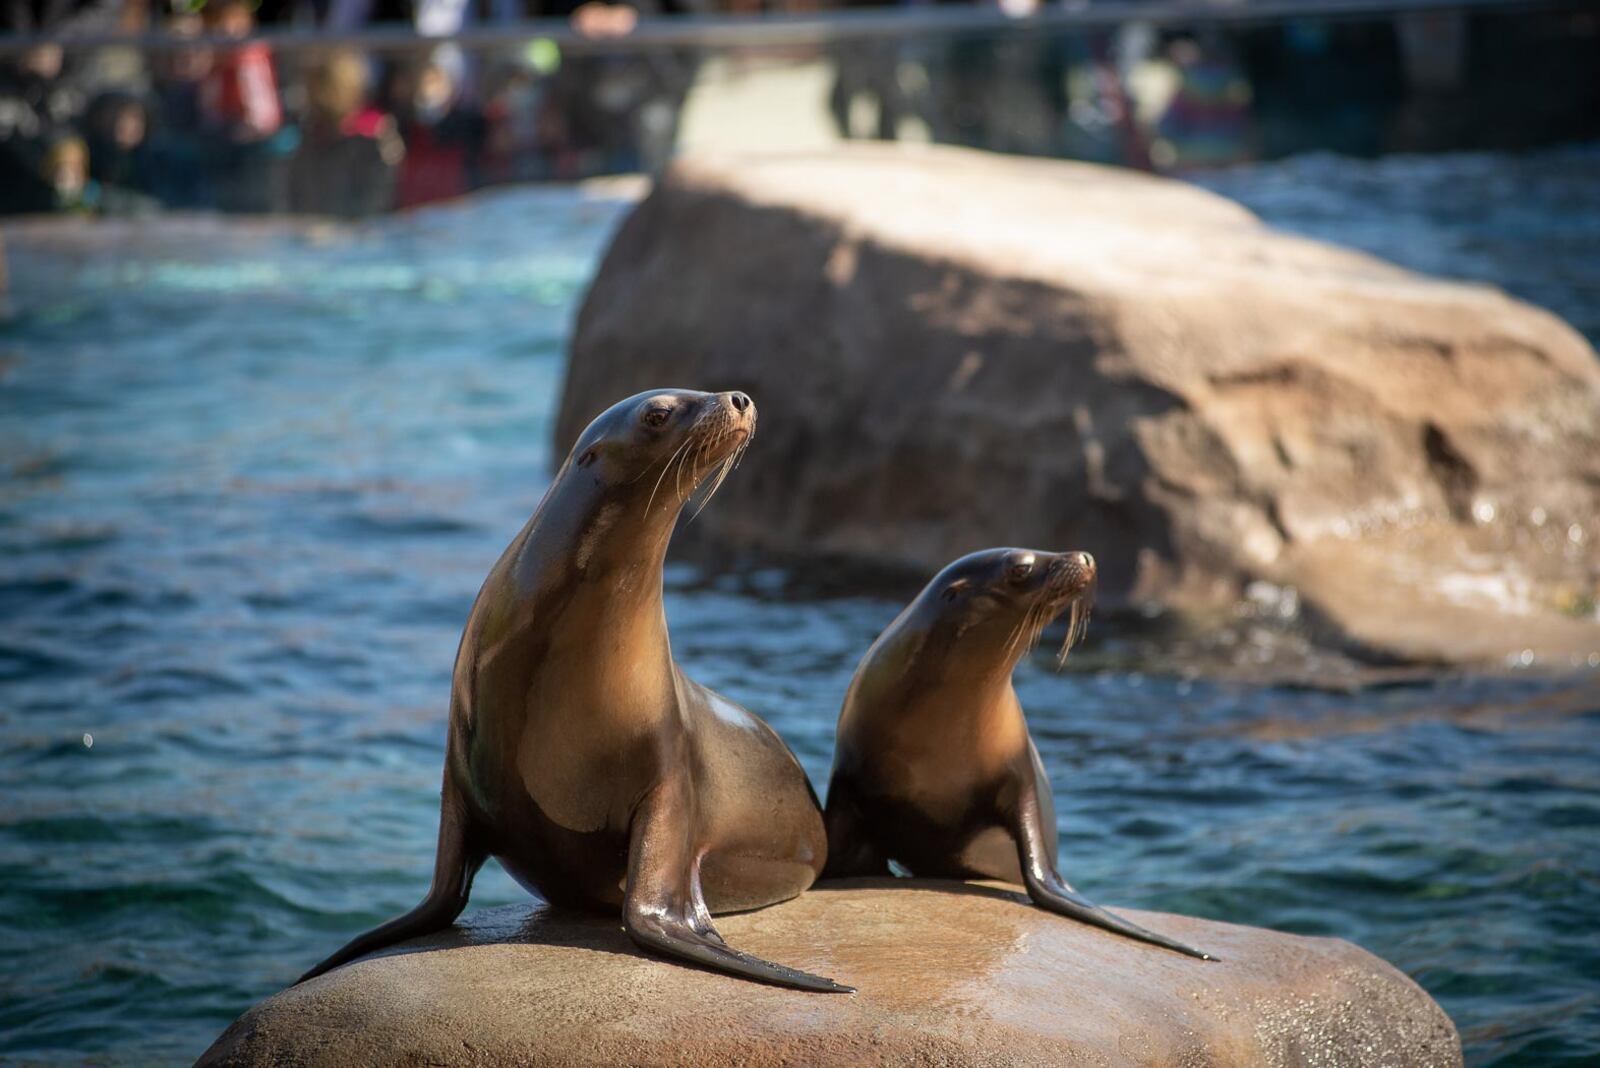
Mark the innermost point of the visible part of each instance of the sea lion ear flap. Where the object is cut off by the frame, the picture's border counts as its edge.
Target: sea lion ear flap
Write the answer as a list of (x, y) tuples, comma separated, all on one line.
[(952, 591)]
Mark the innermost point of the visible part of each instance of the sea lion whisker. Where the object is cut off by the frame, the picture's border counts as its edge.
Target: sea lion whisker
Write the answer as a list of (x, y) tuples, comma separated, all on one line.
[(1041, 621), (697, 463), (705, 486), (694, 441), (716, 481), (1072, 636), (1011, 636), (1024, 628), (1019, 631), (1031, 627), (663, 475), (1077, 624), (702, 465)]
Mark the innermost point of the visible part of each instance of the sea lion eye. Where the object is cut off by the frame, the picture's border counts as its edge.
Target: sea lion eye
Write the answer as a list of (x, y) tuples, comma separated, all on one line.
[(1019, 570), (656, 415)]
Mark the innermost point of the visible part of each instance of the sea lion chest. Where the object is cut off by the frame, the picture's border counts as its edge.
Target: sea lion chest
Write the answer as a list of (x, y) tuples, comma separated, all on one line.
[(942, 755), (576, 722), (590, 747)]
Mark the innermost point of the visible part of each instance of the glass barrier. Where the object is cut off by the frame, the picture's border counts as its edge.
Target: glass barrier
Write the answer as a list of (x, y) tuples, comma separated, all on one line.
[(379, 121)]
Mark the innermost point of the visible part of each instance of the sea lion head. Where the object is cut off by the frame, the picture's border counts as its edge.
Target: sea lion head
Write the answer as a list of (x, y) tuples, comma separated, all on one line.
[(661, 445), (1000, 600)]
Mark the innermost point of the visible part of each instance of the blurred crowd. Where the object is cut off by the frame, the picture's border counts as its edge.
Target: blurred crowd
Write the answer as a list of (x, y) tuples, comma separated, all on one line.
[(324, 130), (202, 123)]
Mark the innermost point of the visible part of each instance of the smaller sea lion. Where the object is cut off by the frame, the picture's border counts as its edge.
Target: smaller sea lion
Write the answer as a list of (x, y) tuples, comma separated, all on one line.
[(933, 766)]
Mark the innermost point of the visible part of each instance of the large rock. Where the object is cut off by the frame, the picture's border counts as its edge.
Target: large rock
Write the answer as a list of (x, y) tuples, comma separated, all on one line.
[(948, 974), (952, 350)]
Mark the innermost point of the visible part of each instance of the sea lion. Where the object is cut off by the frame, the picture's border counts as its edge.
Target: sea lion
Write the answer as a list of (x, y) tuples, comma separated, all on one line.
[(933, 766), (579, 754)]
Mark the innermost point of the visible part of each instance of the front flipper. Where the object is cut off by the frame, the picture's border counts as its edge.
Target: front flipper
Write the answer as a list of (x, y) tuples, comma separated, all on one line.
[(663, 908), (1049, 891)]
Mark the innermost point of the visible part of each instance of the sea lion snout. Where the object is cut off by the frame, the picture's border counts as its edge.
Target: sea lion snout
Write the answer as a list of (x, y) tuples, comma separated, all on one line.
[(1071, 573), (736, 409)]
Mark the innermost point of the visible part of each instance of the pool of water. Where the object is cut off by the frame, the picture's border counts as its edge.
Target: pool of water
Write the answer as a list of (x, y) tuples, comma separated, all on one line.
[(252, 474)]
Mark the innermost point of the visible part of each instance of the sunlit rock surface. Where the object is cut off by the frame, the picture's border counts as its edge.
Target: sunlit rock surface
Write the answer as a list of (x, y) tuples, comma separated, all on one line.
[(947, 974), (952, 350)]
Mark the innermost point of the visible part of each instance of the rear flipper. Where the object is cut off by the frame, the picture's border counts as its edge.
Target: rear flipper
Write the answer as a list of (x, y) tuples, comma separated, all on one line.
[(664, 910), (677, 938), (455, 863), (1049, 891)]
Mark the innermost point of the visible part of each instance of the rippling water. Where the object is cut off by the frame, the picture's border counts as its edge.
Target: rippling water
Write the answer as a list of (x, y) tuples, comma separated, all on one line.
[(251, 476)]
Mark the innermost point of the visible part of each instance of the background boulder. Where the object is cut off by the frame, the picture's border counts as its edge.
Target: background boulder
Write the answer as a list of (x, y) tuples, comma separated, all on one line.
[(948, 974), (952, 350)]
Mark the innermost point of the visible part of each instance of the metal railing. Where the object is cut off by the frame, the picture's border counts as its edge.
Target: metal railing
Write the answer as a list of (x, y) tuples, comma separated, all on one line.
[(789, 30)]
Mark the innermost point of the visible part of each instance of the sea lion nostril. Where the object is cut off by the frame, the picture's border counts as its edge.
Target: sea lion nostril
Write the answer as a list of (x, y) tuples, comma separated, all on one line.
[(741, 401)]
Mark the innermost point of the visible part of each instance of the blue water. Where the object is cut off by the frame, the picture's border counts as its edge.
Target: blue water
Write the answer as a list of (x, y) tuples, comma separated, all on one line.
[(251, 476)]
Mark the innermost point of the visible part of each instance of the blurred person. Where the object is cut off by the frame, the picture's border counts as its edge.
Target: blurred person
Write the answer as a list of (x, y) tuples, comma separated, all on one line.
[(518, 138), (38, 107), (1002, 92), (240, 113), (117, 130), (177, 140), (1206, 123), (37, 97), (24, 188), (66, 170), (1026, 107), (890, 77), (350, 151), (620, 113), (1433, 114), (868, 71), (239, 94), (617, 113), (594, 18), (179, 73), (443, 135), (1099, 108), (599, 114), (35, 16), (118, 67), (591, 18)]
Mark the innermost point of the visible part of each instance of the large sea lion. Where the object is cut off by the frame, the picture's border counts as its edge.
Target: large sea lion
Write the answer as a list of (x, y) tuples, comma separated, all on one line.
[(933, 766), (579, 754)]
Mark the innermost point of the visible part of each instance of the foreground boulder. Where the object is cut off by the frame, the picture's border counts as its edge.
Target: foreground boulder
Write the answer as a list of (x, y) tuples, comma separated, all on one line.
[(948, 974), (952, 350)]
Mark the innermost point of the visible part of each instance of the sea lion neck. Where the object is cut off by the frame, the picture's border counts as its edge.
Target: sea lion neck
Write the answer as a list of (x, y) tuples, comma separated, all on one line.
[(579, 587), (606, 536), (975, 647), (931, 660), (922, 688)]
